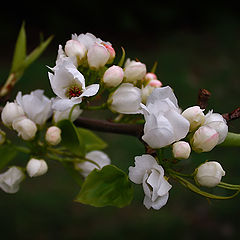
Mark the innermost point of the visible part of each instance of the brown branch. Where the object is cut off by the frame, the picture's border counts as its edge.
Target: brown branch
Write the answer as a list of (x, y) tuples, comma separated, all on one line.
[(110, 127), (203, 97), (235, 114)]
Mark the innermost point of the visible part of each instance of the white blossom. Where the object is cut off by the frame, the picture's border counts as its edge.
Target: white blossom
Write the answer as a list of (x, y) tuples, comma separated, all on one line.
[(125, 99), (209, 174), (10, 112), (99, 157), (10, 180), (69, 85), (195, 116), (204, 139), (36, 106), (163, 122), (151, 175), (134, 71), (217, 122), (25, 127), (36, 167)]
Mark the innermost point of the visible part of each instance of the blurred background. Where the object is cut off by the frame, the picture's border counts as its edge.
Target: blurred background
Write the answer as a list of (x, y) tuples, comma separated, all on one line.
[(196, 46)]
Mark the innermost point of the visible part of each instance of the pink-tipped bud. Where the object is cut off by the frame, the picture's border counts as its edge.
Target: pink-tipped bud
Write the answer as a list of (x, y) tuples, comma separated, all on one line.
[(111, 52), (113, 76), (155, 83), (205, 139), (53, 135), (150, 76)]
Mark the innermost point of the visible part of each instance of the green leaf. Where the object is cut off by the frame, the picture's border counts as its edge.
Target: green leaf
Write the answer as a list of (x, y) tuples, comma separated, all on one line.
[(7, 153), (106, 187), (232, 140), (36, 53), (120, 64), (91, 140), (20, 50), (71, 138)]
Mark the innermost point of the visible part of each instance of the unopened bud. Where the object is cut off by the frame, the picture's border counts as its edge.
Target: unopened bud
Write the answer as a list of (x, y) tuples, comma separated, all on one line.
[(195, 116), (209, 174), (150, 76), (74, 48), (36, 167), (181, 150), (111, 52), (97, 56), (134, 71), (10, 180), (10, 112), (25, 127), (113, 76), (204, 139), (53, 135)]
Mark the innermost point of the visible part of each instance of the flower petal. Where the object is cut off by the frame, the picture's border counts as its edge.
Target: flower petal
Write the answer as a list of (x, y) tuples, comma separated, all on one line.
[(62, 104), (159, 203), (90, 90), (165, 186)]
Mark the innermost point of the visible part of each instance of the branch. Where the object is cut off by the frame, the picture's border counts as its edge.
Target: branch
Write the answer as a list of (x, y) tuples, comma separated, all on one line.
[(110, 127), (235, 114), (203, 97)]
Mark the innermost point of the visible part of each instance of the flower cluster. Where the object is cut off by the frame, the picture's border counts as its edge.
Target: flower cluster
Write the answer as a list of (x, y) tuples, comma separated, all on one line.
[(85, 73)]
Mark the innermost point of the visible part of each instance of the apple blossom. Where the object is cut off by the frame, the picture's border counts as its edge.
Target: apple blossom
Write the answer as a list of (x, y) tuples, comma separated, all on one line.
[(147, 90), (69, 85), (195, 116), (60, 115), (53, 135), (217, 122), (204, 139), (76, 49), (181, 150), (209, 174), (36, 106), (99, 157), (10, 180), (113, 76), (36, 167), (163, 122), (125, 99), (25, 127), (151, 175), (10, 112), (134, 71)]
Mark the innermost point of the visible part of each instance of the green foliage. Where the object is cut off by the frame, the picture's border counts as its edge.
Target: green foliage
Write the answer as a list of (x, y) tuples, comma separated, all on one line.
[(7, 153), (106, 187), (91, 140), (71, 138), (232, 140)]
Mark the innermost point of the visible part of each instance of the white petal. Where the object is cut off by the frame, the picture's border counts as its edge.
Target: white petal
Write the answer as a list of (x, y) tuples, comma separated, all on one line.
[(159, 203), (142, 164), (153, 180), (62, 104), (165, 186), (90, 90)]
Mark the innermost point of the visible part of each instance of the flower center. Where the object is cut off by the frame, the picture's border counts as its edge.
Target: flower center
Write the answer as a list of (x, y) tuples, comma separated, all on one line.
[(74, 91)]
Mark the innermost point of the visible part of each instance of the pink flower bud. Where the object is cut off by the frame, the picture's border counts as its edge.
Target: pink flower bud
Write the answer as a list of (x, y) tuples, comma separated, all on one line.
[(150, 76), (204, 139), (113, 76), (76, 49), (97, 56), (181, 150), (53, 135), (209, 174), (111, 52), (155, 83)]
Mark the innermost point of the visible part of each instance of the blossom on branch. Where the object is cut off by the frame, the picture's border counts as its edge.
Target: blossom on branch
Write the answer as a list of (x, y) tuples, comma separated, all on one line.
[(151, 175), (163, 122)]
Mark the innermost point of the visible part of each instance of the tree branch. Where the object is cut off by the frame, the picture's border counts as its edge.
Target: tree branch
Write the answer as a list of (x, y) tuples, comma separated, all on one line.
[(203, 97)]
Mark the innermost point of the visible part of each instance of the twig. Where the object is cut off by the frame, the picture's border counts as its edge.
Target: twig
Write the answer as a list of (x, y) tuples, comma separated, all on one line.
[(235, 114), (203, 97)]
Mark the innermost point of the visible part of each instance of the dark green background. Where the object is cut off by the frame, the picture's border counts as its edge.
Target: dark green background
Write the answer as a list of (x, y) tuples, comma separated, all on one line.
[(196, 46)]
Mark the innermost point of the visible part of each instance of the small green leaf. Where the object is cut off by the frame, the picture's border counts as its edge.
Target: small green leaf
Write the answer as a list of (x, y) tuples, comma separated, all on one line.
[(71, 139), (120, 64), (232, 140), (7, 153), (91, 140), (36, 53), (109, 186), (20, 50)]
